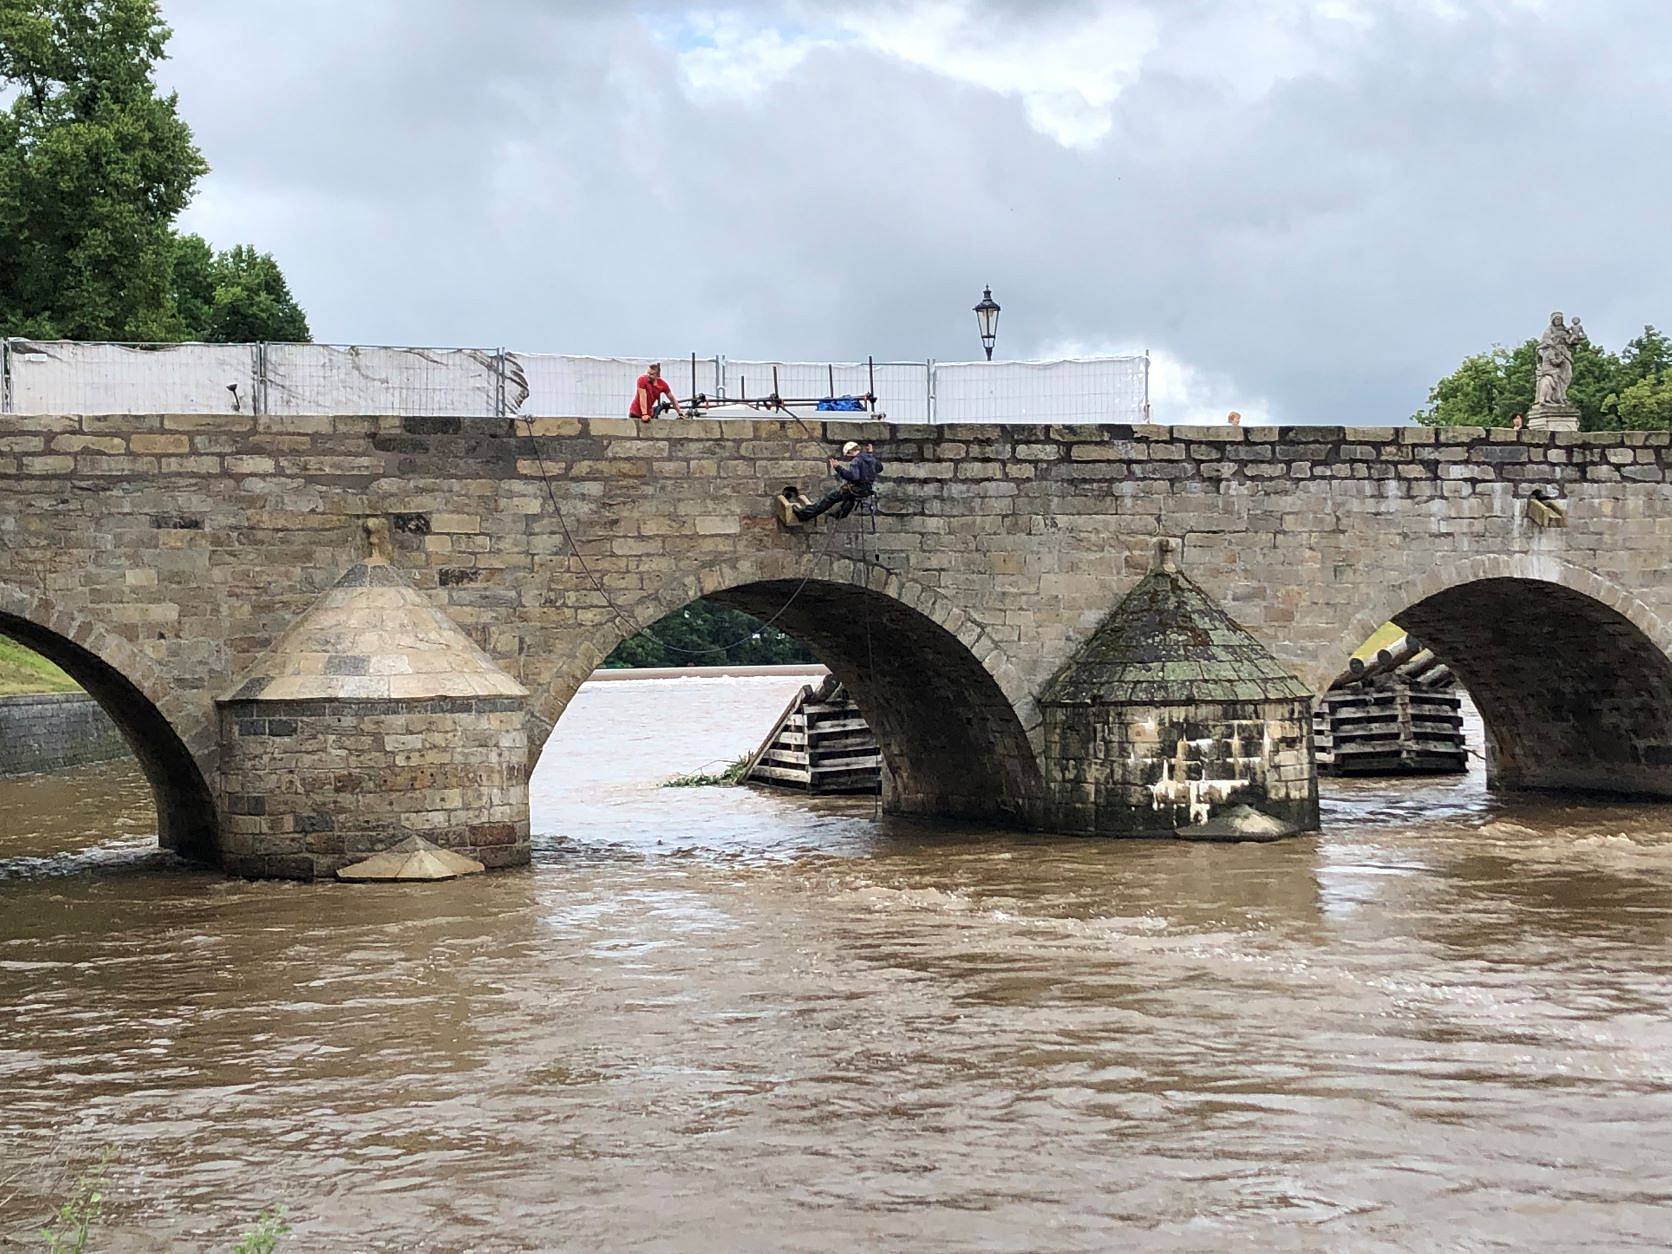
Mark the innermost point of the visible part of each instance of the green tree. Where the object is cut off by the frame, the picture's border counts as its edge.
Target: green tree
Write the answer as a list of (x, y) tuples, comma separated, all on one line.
[(95, 166), (703, 625), (1644, 399), (194, 284), (233, 297), (1477, 393), (1647, 405), (1649, 355)]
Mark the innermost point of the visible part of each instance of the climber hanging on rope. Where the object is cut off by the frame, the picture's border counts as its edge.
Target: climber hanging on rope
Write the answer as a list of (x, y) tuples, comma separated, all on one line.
[(856, 480)]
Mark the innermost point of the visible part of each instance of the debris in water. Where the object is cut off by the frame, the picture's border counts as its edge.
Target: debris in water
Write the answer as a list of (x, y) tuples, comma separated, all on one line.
[(1238, 822)]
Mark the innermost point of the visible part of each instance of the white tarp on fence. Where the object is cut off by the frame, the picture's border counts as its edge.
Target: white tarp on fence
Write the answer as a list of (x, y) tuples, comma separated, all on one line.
[(60, 377), (1079, 390), (357, 379), (87, 378), (599, 387)]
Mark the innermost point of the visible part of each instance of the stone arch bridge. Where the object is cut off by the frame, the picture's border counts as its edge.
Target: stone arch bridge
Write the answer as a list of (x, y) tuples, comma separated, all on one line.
[(157, 557)]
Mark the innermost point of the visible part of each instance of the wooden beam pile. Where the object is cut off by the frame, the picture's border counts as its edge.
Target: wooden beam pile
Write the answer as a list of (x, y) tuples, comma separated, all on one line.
[(1397, 713), (821, 743)]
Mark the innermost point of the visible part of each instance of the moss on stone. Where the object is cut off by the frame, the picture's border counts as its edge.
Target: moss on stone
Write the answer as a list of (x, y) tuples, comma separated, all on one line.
[(1168, 642)]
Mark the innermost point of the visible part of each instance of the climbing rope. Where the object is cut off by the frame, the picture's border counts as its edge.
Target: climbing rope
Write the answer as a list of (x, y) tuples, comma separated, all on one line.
[(627, 619), (870, 656)]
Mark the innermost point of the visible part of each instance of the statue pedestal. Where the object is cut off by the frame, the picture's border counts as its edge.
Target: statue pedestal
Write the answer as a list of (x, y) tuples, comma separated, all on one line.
[(1548, 417)]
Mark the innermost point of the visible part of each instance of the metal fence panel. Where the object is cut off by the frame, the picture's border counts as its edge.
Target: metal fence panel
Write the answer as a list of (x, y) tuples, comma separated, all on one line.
[(902, 386), (602, 387), (354, 379), (1078, 390), (63, 377)]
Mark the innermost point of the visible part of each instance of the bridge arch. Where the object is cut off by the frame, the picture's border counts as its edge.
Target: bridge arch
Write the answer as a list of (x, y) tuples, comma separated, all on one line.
[(131, 690), (951, 714), (1572, 675)]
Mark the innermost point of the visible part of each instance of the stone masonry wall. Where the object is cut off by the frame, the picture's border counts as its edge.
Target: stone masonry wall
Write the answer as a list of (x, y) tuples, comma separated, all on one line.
[(311, 786), (53, 731), (176, 547), (1116, 769)]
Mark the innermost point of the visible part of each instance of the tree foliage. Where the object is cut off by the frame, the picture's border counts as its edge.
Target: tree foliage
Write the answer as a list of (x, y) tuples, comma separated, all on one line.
[(233, 297), (1643, 400), (95, 166), (1631, 389), (1647, 404), (704, 625)]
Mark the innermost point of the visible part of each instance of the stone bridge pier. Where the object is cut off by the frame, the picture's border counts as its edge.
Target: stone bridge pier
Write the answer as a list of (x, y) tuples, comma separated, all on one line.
[(298, 699)]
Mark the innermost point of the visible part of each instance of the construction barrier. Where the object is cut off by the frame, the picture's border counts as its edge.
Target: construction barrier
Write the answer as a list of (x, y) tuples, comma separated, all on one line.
[(76, 377)]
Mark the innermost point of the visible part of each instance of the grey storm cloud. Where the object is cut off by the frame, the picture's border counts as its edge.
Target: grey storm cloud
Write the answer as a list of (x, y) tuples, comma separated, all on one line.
[(1317, 209)]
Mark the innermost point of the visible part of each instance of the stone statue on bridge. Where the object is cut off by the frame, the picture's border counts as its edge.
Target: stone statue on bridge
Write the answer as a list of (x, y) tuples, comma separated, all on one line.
[(1553, 375)]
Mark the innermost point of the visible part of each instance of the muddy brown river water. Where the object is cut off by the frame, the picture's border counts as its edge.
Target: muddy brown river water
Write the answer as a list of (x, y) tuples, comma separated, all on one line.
[(714, 1019)]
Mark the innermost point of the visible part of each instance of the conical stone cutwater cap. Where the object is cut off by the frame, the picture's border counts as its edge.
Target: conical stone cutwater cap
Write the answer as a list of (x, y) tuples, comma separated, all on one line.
[(1168, 643), (372, 636), (413, 859)]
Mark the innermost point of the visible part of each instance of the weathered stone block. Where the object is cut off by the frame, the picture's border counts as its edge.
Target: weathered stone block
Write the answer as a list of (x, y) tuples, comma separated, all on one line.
[(89, 443), (148, 443)]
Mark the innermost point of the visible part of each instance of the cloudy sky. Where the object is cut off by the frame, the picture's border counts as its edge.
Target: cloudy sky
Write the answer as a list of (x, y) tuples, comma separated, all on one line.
[(1307, 209)]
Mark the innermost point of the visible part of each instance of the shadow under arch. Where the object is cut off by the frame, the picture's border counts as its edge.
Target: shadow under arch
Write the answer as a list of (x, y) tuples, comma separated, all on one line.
[(937, 692), (1571, 674), (115, 676)]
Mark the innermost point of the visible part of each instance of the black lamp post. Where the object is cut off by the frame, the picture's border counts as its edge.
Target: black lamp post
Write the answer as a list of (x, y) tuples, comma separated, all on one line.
[(987, 318)]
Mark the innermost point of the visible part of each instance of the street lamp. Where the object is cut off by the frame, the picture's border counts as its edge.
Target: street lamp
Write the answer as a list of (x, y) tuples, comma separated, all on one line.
[(987, 318)]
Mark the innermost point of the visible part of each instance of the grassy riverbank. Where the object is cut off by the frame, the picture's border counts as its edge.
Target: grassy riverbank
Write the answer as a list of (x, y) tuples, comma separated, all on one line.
[(23, 671)]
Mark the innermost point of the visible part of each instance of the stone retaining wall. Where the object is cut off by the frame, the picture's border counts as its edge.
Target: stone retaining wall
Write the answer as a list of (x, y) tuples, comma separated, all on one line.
[(52, 731)]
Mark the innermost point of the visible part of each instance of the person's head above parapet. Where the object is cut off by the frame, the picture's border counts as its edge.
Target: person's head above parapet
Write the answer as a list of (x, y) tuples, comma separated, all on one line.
[(850, 448)]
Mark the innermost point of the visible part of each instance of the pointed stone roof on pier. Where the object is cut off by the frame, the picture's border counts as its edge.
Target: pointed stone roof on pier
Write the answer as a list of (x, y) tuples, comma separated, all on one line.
[(1168, 643), (372, 636)]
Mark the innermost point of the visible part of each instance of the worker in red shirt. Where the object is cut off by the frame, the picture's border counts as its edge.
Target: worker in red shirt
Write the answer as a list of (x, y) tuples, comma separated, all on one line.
[(647, 398)]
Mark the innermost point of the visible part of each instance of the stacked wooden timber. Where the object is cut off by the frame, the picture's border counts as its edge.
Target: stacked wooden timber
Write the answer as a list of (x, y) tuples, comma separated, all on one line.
[(821, 743), (1397, 713)]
